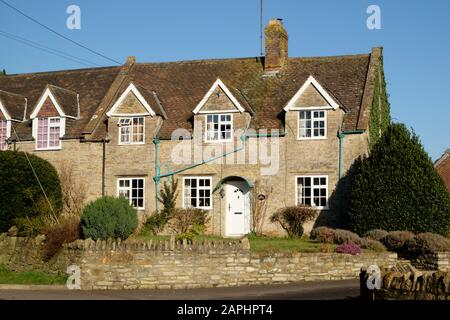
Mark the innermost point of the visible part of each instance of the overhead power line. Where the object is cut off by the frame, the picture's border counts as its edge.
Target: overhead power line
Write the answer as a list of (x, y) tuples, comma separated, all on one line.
[(57, 33), (47, 49)]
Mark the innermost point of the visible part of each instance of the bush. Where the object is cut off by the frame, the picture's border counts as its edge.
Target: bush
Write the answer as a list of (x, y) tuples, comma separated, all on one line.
[(291, 219), (348, 248), (373, 245), (21, 196), (427, 243), (398, 188), (67, 231), (323, 235), (345, 236), (156, 222), (168, 197), (376, 234), (185, 236), (184, 221), (395, 241), (109, 217)]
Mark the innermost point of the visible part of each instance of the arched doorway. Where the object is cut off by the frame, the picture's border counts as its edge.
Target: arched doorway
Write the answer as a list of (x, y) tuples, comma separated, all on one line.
[(236, 191)]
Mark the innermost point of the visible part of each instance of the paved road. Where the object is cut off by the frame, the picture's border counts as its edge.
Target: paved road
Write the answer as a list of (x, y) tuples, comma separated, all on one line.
[(325, 290)]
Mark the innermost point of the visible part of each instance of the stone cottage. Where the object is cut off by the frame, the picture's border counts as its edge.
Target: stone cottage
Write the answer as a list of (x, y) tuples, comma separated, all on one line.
[(292, 126)]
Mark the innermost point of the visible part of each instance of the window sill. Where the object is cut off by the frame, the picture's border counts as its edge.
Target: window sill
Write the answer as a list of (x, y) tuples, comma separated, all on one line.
[(52, 149), (132, 144), (312, 139)]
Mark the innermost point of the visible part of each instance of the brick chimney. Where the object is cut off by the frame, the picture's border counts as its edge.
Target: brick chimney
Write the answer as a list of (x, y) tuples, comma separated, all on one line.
[(276, 45)]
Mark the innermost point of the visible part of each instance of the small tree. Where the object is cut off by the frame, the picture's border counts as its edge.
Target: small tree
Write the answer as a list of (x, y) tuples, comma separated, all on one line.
[(259, 205), (168, 197), (397, 188)]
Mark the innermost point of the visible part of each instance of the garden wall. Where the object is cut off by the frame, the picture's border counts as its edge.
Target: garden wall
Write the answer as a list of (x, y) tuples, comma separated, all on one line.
[(410, 285), (170, 264)]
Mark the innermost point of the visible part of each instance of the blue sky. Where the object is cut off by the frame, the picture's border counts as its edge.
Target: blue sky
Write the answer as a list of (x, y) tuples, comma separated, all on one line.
[(415, 36)]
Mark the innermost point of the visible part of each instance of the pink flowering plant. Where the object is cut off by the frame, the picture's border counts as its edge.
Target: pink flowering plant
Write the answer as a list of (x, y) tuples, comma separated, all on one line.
[(348, 248)]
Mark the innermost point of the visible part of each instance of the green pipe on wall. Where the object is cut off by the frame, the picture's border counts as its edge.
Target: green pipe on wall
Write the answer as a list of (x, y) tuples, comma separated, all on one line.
[(159, 176)]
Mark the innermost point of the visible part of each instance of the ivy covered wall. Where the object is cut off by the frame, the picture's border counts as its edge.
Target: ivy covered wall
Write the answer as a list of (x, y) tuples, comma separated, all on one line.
[(380, 113)]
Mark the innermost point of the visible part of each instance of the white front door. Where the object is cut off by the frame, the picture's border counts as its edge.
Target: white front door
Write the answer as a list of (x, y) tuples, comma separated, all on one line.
[(237, 208)]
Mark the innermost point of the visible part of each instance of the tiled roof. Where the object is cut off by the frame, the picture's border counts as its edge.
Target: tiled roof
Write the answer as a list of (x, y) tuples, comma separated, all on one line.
[(14, 104), (180, 86), (67, 100)]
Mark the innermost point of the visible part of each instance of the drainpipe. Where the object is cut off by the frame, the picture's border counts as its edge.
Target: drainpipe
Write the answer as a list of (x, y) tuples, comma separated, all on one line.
[(103, 166), (157, 177)]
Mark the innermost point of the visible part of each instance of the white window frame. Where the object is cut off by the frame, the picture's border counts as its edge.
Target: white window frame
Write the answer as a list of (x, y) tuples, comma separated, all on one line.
[(61, 126), (198, 193), (325, 119), (225, 122), (312, 190), (8, 133), (131, 118), (130, 189)]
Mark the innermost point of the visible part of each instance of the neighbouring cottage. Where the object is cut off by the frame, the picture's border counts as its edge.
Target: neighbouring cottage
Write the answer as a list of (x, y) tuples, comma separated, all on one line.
[(295, 126), (442, 166)]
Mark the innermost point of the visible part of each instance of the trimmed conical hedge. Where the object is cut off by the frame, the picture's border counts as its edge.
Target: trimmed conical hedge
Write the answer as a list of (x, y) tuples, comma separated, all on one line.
[(398, 188)]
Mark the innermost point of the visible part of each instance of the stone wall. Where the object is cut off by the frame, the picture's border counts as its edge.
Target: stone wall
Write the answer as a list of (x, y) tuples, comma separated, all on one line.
[(171, 265), (433, 261), (408, 283), (176, 265)]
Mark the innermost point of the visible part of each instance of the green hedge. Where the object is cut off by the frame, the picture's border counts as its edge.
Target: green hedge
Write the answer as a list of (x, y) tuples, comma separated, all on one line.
[(20, 193), (397, 188), (109, 217)]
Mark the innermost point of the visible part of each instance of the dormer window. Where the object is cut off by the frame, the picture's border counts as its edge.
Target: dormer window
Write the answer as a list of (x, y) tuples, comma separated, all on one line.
[(219, 127), (48, 133), (312, 124), (131, 130)]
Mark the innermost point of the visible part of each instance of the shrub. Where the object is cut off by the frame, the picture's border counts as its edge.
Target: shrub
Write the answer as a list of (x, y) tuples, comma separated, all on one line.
[(323, 234), (67, 231), (395, 241), (291, 219), (156, 222), (345, 236), (398, 188), (376, 234), (427, 243), (168, 197), (348, 248), (109, 217), (21, 196), (187, 220), (185, 236), (373, 245)]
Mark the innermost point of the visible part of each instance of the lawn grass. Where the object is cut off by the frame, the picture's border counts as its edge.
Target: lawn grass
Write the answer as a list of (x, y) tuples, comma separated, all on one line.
[(267, 244), (257, 244), (29, 277)]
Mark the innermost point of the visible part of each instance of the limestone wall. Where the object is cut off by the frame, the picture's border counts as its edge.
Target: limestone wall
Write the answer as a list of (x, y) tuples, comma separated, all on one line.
[(170, 265)]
